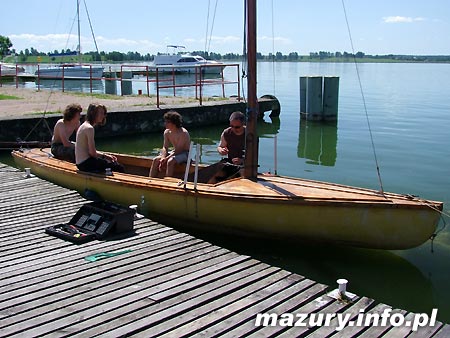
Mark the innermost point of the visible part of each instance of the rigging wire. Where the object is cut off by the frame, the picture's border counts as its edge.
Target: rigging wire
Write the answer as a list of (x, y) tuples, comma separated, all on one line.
[(244, 52), (52, 87), (273, 52), (43, 119), (212, 26), (208, 40), (244, 66), (207, 25), (92, 31), (364, 100), (275, 139)]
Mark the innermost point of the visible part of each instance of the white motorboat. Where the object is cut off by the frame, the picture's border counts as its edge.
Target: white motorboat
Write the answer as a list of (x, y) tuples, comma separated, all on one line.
[(186, 63)]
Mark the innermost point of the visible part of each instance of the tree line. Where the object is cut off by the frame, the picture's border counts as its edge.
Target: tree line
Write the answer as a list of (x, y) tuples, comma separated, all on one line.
[(33, 55)]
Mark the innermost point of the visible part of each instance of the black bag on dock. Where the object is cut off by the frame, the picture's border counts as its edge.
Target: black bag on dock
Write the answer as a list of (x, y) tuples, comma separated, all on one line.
[(95, 220)]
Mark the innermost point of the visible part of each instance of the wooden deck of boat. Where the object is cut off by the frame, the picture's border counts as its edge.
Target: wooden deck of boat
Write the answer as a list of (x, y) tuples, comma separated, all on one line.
[(169, 284)]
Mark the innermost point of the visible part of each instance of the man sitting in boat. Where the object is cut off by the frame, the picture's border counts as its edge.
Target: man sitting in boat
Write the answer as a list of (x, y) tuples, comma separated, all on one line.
[(232, 140), (177, 136), (232, 145), (62, 148), (87, 157)]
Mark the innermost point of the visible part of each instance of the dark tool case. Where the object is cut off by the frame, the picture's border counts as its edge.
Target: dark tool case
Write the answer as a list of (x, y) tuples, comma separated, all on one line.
[(95, 220)]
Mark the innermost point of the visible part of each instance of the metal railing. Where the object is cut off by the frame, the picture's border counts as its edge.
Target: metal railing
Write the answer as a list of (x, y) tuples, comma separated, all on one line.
[(200, 72), (164, 77)]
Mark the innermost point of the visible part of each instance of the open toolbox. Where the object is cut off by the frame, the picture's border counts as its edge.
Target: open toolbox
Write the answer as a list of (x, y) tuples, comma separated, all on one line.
[(95, 220)]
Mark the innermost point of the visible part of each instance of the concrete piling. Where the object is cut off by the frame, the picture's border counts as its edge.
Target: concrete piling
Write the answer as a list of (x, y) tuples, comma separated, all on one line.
[(319, 98)]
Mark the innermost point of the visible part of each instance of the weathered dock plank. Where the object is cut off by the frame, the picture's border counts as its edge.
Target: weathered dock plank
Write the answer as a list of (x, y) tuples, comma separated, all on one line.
[(168, 284)]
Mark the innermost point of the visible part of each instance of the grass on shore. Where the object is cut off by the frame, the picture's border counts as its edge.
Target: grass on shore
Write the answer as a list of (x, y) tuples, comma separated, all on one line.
[(9, 97)]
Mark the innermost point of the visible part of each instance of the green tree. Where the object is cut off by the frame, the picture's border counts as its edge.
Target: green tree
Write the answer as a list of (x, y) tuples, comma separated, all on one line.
[(5, 45), (293, 56)]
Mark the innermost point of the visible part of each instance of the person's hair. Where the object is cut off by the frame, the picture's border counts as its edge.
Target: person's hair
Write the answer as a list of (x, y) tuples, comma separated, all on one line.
[(237, 116), (174, 117), (71, 110), (92, 112)]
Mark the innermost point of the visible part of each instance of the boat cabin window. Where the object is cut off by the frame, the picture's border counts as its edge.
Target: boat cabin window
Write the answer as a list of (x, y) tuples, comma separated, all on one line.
[(188, 59)]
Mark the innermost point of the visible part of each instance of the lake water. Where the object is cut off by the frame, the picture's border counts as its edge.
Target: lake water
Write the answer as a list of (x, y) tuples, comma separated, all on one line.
[(408, 106)]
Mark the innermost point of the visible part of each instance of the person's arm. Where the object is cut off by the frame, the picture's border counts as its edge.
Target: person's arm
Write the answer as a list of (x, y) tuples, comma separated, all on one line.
[(91, 143), (222, 148), (164, 151), (93, 152), (166, 144)]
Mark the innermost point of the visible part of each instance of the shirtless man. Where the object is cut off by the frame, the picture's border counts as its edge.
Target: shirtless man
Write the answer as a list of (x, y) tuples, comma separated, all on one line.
[(62, 147), (88, 158), (178, 137)]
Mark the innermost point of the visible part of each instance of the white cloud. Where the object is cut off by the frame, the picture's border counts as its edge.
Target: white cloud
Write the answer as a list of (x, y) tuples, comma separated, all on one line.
[(276, 39), (51, 42), (401, 19)]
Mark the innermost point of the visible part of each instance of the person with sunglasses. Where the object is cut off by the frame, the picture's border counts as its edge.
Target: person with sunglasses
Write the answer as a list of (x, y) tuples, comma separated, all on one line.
[(232, 140)]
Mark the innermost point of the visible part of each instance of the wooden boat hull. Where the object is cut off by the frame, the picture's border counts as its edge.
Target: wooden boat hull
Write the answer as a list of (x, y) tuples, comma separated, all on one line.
[(274, 206)]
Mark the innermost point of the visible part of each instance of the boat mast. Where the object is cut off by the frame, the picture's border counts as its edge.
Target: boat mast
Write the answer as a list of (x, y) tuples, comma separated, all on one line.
[(79, 32), (251, 141)]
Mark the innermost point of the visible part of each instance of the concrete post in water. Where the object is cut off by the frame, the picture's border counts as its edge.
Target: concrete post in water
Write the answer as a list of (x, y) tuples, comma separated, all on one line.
[(110, 83), (330, 98), (314, 101), (302, 82), (319, 98), (126, 85)]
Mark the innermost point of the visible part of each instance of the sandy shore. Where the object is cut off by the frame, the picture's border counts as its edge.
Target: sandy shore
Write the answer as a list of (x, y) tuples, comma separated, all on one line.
[(31, 101)]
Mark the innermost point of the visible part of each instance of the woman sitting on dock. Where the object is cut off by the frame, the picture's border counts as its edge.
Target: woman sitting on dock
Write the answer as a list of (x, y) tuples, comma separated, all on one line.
[(87, 157), (62, 147)]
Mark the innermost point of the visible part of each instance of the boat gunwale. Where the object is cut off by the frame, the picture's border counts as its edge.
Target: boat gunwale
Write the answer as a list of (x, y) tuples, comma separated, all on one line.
[(205, 189)]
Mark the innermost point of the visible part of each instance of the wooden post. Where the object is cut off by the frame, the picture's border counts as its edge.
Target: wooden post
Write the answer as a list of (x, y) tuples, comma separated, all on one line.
[(251, 155)]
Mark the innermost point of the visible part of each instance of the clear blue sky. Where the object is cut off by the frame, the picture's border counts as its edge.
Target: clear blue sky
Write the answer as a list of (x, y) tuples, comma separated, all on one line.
[(147, 26)]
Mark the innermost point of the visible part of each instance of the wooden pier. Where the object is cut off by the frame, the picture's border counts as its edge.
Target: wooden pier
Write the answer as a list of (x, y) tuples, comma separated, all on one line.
[(169, 283)]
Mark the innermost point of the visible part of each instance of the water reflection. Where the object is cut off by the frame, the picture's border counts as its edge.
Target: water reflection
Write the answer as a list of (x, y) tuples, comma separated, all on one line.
[(317, 142), (208, 137), (388, 278), (72, 85), (269, 129)]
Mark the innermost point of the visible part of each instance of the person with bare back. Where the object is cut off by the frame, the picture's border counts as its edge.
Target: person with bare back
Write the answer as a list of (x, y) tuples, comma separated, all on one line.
[(177, 136), (88, 158), (62, 148)]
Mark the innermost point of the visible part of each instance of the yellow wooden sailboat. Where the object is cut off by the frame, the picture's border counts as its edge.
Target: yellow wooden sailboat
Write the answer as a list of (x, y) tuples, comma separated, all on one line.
[(270, 206), (256, 204)]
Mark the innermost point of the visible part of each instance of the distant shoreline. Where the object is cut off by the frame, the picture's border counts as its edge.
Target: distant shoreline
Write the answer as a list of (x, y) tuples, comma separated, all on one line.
[(337, 57)]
